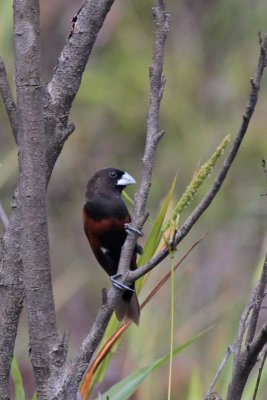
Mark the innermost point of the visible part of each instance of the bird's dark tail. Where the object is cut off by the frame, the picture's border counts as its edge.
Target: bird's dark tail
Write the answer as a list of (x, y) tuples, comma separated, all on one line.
[(128, 308)]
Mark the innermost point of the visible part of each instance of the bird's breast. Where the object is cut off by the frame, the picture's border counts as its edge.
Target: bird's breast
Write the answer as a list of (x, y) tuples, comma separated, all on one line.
[(100, 227)]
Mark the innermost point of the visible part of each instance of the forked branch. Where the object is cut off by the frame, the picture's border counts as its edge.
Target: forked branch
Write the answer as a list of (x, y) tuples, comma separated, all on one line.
[(206, 201), (80, 362), (248, 344)]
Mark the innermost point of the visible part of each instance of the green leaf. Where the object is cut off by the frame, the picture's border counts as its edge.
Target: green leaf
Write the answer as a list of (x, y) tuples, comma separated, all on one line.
[(125, 388), (17, 379)]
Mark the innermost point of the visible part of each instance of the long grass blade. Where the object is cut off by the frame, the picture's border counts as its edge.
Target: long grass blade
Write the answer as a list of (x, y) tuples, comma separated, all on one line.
[(171, 327), (125, 388)]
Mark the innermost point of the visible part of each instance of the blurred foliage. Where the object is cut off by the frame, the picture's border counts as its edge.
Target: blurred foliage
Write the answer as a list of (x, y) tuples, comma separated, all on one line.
[(211, 53)]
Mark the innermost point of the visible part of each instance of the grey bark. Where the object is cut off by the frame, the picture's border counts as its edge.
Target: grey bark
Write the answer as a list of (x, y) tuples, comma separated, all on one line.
[(11, 295), (54, 103), (43, 333), (248, 344)]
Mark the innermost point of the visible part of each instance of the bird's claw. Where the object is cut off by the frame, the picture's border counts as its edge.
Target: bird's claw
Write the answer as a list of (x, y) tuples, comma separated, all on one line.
[(139, 249), (119, 285), (133, 231)]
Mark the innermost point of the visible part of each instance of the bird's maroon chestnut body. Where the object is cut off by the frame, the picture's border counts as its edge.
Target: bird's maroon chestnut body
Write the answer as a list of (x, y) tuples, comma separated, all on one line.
[(104, 217)]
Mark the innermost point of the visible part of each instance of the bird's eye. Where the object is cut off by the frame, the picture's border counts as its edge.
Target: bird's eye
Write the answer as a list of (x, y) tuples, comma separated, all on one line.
[(113, 174)]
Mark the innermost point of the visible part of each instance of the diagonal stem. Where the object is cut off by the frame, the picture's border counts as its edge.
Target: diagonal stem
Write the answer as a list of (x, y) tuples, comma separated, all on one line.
[(210, 196)]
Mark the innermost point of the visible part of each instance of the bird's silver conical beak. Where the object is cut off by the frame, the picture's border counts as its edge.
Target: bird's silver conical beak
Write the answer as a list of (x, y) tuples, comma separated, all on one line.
[(126, 180)]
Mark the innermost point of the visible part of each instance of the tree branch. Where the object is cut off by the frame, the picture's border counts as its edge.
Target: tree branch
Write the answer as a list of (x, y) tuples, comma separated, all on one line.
[(218, 372), (246, 362), (246, 350), (259, 296), (8, 100), (84, 355), (74, 57), (11, 294), (246, 357), (243, 324), (43, 334), (264, 355), (80, 362), (204, 204), (157, 82), (64, 85)]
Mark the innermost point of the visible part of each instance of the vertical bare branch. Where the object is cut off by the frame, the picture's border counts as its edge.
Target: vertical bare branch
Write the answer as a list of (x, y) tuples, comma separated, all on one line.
[(218, 373), (62, 89), (157, 82), (80, 362), (247, 349), (247, 346), (67, 77), (243, 323), (259, 296), (11, 294), (263, 359), (43, 333), (65, 83)]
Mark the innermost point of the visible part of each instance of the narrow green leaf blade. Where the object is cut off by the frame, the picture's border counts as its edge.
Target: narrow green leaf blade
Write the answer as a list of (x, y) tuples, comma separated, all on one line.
[(156, 233), (125, 388), (17, 379)]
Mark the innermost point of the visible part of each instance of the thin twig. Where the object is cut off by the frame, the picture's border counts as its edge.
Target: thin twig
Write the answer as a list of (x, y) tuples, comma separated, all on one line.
[(246, 357), (243, 323), (263, 164), (248, 325), (3, 217), (246, 350), (161, 23), (260, 372), (259, 296), (218, 372), (8, 100)]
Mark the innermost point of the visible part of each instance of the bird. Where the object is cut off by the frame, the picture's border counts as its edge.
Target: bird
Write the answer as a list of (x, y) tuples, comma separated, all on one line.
[(106, 222)]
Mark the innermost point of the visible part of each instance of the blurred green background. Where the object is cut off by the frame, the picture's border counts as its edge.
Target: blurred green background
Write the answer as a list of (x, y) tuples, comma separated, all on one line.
[(211, 52)]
